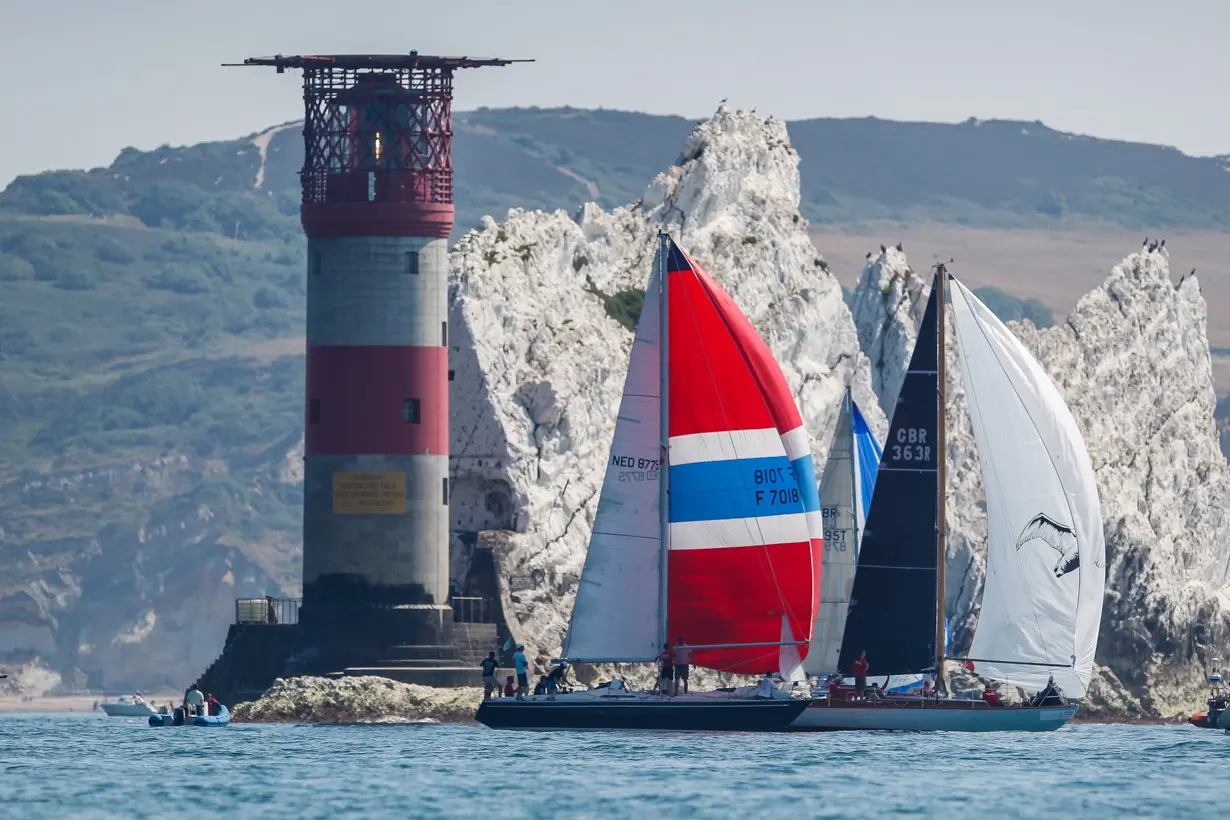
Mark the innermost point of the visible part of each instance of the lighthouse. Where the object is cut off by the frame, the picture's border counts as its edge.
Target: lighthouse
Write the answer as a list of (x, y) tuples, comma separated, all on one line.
[(377, 209)]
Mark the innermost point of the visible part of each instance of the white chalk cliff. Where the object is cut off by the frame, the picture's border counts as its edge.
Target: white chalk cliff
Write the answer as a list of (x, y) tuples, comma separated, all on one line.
[(539, 365), (1132, 361)]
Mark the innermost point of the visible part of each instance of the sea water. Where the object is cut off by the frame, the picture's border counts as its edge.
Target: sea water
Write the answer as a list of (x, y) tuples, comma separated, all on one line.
[(59, 766)]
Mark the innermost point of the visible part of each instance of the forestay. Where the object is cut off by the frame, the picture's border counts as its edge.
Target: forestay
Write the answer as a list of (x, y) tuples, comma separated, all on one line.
[(617, 614), (1046, 575)]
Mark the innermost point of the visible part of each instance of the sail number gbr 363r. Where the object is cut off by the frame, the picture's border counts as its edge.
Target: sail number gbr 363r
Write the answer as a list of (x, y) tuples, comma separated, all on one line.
[(911, 444)]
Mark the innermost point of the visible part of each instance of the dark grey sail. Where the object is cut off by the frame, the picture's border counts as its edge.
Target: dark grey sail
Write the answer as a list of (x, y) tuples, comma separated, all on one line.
[(892, 606)]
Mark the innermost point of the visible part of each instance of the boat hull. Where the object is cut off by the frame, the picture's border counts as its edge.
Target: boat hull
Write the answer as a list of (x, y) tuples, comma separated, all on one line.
[(931, 716), (127, 709), (651, 713)]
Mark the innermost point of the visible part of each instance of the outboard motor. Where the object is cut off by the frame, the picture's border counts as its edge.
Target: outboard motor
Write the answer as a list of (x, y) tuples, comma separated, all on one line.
[(178, 718)]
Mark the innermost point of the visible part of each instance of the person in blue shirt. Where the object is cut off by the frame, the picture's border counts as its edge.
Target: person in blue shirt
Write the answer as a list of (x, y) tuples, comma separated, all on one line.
[(523, 683)]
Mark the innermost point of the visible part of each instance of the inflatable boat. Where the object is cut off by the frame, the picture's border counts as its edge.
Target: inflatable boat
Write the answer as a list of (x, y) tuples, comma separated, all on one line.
[(180, 718)]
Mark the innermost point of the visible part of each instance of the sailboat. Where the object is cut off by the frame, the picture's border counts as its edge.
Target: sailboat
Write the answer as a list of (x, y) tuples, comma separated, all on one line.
[(1046, 576), (708, 525), (846, 488)]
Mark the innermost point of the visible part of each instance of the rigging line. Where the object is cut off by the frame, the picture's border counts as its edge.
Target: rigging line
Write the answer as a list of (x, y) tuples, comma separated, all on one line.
[(761, 388), (970, 394)]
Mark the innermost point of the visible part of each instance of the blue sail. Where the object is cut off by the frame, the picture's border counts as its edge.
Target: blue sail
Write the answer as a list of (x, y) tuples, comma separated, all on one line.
[(867, 455)]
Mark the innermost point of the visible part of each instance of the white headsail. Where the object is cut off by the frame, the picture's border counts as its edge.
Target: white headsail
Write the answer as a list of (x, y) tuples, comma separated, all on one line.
[(838, 500), (1046, 557), (616, 614)]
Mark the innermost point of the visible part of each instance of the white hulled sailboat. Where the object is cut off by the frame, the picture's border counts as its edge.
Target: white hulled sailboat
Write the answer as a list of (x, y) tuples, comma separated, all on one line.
[(1042, 599)]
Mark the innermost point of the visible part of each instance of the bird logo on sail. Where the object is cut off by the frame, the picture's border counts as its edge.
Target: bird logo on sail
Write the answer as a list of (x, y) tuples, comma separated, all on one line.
[(1058, 536)]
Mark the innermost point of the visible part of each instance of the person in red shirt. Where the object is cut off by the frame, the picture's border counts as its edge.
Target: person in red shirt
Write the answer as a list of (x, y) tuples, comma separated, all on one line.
[(860, 672), (991, 696)]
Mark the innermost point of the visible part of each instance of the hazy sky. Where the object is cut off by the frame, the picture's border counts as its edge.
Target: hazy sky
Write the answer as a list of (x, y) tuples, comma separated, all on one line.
[(84, 78)]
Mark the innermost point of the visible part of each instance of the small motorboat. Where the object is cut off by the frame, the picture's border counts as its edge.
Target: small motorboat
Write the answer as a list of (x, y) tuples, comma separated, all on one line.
[(1219, 700), (180, 717), (127, 706)]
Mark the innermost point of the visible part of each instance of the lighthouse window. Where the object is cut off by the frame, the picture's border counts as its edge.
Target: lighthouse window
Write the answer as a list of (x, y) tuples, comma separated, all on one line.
[(444, 334), (314, 411), (410, 411), (446, 491), (412, 262), (452, 374)]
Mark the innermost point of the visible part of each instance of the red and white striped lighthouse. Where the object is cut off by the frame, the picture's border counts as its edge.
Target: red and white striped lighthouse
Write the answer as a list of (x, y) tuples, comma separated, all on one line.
[(377, 209)]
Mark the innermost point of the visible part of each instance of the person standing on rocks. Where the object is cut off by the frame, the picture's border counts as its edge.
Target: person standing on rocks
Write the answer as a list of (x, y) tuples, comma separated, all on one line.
[(683, 659), (522, 669), (489, 665)]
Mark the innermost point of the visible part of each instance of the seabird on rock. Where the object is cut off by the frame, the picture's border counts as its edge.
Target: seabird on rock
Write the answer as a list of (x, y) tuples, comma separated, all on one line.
[(1146, 242), (883, 249), (1161, 244), (869, 254), (1152, 247), (900, 248)]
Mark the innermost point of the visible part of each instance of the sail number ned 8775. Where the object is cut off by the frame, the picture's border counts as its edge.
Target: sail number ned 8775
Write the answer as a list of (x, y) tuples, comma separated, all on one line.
[(910, 444)]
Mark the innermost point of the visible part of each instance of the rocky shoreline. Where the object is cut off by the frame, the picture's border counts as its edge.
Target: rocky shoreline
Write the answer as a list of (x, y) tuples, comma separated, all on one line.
[(380, 700), (357, 700)]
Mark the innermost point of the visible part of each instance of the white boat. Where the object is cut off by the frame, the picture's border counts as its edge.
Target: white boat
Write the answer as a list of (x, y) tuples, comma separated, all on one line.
[(708, 524), (127, 706), (1046, 576)]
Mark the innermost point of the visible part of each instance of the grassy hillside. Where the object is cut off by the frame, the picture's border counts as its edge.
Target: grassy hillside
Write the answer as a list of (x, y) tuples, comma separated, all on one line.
[(995, 173)]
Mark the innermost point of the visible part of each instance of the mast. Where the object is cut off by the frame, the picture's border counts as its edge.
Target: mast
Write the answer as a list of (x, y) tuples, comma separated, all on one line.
[(856, 494), (941, 474), (664, 424)]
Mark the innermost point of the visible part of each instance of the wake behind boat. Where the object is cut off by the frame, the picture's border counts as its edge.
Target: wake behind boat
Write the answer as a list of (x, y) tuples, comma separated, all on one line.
[(1042, 599), (708, 525)]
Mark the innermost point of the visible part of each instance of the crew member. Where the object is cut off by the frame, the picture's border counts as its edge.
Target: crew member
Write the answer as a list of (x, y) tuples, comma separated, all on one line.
[(991, 696), (860, 672), (683, 659), (666, 671), (489, 665), (555, 678), (522, 668)]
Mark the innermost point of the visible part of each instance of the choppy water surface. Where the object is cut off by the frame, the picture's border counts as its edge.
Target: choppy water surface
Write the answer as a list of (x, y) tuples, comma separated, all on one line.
[(90, 766)]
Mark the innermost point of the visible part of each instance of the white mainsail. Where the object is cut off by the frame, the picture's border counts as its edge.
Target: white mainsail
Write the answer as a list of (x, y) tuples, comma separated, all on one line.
[(616, 616), (1046, 557), (840, 507)]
